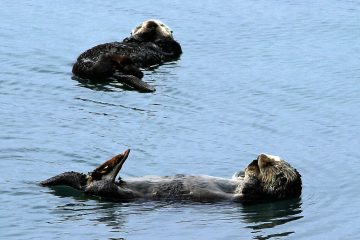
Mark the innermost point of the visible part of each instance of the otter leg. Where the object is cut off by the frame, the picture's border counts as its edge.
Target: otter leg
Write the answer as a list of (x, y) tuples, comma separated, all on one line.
[(110, 190), (72, 179), (135, 82), (101, 69)]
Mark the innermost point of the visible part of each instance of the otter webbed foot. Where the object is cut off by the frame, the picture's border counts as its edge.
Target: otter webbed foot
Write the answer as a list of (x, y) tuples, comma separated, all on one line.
[(112, 67), (128, 73), (134, 82)]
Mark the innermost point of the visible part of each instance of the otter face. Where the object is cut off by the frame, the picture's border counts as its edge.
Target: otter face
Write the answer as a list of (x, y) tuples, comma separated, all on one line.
[(268, 178), (151, 30), (273, 169)]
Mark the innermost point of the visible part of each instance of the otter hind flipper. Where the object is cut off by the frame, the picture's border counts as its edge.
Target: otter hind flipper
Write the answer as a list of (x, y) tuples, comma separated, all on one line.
[(135, 83), (109, 169)]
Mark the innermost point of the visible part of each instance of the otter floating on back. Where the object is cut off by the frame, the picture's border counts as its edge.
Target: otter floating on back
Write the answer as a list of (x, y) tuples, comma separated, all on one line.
[(151, 43), (268, 178)]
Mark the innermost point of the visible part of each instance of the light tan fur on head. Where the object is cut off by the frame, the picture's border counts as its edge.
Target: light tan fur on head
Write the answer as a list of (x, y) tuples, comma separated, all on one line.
[(269, 177), (252, 170), (271, 166), (162, 30), (265, 160)]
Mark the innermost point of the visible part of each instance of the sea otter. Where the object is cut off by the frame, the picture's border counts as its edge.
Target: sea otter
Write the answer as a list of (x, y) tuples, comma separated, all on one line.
[(267, 178), (151, 43)]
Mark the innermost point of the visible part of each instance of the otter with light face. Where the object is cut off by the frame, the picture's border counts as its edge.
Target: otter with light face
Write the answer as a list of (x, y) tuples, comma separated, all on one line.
[(151, 43), (268, 178)]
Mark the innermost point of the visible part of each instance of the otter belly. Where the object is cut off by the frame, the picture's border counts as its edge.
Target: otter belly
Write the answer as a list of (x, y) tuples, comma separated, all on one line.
[(181, 187)]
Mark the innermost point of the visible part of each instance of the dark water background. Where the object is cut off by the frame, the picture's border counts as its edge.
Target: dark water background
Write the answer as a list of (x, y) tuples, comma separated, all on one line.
[(281, 77)]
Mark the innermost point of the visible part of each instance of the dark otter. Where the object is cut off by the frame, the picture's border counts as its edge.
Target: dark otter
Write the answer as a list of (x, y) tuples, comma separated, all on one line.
[(265, 179), (150, 43)]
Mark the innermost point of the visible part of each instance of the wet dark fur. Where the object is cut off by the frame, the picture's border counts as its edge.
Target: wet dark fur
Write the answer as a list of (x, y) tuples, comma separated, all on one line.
[(144, 50), (263, 180)]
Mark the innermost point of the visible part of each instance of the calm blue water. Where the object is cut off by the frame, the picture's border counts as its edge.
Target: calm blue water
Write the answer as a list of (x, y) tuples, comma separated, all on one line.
[(256, 76)]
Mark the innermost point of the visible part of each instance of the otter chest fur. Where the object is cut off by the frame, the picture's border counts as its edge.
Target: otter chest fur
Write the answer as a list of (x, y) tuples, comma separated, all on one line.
[(150, 43)]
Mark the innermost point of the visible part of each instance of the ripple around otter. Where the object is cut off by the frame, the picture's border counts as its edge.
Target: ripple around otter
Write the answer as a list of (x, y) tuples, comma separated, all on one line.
[(255, 76)]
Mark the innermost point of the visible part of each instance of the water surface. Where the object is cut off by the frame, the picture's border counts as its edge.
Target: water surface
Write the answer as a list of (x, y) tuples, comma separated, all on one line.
[(255, 76)]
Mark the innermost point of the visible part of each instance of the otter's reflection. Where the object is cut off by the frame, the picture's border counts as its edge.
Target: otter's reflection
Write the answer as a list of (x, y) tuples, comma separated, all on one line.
[(262, 217), (265, 221), (104, 86), (83, 208), (112, 85), (112, 214)]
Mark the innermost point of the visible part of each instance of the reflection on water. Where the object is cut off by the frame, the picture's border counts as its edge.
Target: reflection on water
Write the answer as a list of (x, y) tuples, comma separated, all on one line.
[(99, 212), (262, 219), (112, 85), (112, 104), (270, 215), (105, 86)]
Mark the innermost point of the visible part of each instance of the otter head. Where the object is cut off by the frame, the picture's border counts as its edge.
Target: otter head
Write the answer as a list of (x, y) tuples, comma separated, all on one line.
[(269, 178), (278, 179), (151, 31)]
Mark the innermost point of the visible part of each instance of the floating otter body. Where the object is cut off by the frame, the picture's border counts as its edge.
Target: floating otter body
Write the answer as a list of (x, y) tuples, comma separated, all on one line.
[(150, 43), (268, 178)]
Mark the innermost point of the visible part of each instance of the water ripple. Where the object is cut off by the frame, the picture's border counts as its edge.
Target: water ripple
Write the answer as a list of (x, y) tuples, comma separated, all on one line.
[(253, 78)]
